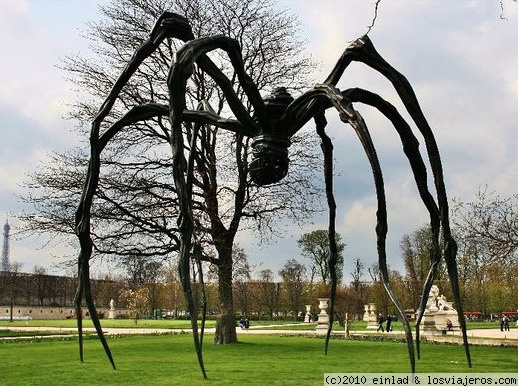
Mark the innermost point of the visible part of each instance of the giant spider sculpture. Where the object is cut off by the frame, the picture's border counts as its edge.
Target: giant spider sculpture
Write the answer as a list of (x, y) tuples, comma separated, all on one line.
[(275, 120)]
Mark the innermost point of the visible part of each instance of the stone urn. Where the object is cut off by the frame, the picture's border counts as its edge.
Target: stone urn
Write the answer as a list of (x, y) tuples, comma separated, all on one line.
[(323, 317), (307, 315)]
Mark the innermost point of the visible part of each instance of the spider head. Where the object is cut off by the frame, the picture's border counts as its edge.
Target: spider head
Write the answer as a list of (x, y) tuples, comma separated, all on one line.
[(270, 148)]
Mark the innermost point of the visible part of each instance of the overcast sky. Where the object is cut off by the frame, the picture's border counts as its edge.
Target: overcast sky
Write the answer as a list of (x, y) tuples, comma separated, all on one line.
[(460, 57)]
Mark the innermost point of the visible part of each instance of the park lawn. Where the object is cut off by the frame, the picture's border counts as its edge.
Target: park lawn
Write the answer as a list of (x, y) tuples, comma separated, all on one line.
[(256, 360), (186, 324), (114, 323)]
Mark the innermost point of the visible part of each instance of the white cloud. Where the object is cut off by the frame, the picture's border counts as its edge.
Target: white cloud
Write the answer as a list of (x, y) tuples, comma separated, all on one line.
[(31, 83)]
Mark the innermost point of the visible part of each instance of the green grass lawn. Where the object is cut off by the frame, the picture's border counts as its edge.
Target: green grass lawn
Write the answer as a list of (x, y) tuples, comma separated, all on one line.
[(117, 323), (256, 360), (128, 323)]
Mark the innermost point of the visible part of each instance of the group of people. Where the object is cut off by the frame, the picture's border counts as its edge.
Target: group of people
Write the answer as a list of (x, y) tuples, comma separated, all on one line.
[(381, 320), (244, 323)]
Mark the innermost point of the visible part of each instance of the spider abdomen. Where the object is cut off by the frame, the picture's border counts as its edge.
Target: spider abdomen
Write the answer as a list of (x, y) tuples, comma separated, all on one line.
[(269, 159)]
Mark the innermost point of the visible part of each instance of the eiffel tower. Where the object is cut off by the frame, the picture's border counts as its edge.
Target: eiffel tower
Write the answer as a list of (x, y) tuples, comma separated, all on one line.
[(5, 250)]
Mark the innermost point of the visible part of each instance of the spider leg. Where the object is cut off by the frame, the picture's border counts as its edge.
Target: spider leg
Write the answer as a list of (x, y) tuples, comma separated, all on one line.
[(325, 95), (198, 259), (177, 26), (84, 289), (363, 50), (205, 115), (411, 149), (186, 225), (135, 114), (82, 222), (83, 218), (302, 110), (327, 148), (194, 51), (348, 115), (167, 25), (171, 25), (180, 71), (78, 297)]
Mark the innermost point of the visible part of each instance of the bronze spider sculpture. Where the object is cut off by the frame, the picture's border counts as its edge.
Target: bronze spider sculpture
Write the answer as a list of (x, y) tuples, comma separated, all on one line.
[(275, 120)]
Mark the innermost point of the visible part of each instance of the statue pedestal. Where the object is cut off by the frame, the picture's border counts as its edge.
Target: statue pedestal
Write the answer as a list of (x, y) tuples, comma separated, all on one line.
[(437, 321), (370, 316), (428, 323)]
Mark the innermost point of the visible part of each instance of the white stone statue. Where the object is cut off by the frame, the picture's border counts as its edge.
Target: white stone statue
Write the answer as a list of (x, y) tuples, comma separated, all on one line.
[(443, 304), (111, 312), (431, 304), (439, 314)]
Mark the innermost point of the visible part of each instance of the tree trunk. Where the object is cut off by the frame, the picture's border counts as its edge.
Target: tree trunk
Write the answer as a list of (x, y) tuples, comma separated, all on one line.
[(226, 323)]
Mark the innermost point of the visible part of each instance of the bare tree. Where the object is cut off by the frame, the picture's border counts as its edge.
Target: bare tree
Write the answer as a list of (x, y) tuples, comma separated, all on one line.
[(348, 304), (141, 270), (242, 269), (135, 208), (376, 293), (268, 293), (11, 285), (416, 251), (241, 281), (41, 283), (487, 229), (489, 224), (136, 301), (294, 283)]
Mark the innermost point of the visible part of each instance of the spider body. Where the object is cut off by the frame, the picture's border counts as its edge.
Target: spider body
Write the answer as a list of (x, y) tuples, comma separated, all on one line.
[(270, 159), (275, 120)]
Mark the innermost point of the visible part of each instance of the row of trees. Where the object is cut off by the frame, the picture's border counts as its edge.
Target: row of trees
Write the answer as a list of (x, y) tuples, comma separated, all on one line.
[(487, 284), (488, 288), (40, 289)]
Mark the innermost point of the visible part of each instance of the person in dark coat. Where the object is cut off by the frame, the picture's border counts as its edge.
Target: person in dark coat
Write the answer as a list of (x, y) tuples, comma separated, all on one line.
[(389, 323), (381, 320)]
